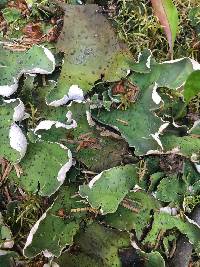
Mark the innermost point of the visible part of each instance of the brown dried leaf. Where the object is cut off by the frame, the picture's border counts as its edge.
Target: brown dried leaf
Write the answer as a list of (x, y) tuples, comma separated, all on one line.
[(88, 142), (21, 5), (167, 14), (33, 30), (53, 34)]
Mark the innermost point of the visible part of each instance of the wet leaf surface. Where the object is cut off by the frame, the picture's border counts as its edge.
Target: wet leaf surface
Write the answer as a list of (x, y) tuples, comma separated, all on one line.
[(107, 190), (99, 153), (57, 226), (36, 174), (13, 141), (138, 118), (97, 238), (134, 213), (164, 221), (13, 64), (91, 52)]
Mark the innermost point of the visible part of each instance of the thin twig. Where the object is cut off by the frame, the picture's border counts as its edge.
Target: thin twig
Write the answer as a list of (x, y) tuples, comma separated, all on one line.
[(7, 194), (6, 172)]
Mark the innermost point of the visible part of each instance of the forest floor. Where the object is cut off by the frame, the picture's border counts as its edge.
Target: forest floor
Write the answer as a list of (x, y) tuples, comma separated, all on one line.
[(114, 132)]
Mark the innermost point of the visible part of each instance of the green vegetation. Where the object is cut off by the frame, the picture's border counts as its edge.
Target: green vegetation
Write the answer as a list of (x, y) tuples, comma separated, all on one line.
[(100, 133), (139, 28)]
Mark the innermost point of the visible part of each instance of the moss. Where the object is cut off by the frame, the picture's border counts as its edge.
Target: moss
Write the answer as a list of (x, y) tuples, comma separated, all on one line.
[(139, 28)]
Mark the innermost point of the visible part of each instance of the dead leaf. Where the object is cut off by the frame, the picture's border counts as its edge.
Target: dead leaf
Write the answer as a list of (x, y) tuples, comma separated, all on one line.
[(53, 34), (167, 14), (33, 30), (21, 5), (118, 88), (88, 142), (3, 24)]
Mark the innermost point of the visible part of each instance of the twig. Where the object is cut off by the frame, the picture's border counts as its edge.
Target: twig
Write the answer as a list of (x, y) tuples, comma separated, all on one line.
[(129, 204), (90, 172), (158, 239), (6, 172), (18, 170), (7, 194)]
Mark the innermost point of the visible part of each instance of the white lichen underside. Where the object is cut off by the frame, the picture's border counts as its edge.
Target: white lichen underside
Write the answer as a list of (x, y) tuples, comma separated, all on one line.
[(66, 167), (75, 93), (18, 140), (7, 90)]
